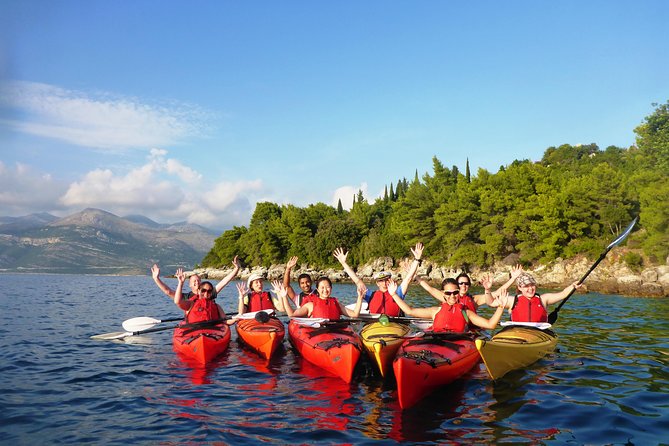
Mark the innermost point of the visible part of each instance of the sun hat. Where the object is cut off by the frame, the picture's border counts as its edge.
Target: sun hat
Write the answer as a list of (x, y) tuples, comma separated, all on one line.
[(252, 277), (382, 275), (525, 279)]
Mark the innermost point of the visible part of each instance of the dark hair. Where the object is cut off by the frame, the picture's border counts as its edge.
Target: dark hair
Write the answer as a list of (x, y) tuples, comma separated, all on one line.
[(447, 281), (304, 276), (321, 279), (213, 289), (463, 275)]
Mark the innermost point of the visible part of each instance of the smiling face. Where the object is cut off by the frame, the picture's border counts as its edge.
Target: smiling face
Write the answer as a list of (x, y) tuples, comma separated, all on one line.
[(305, 284), (382, 285), (324, 288), (528, 290), (451, 291), (194, 282), (256, 285)]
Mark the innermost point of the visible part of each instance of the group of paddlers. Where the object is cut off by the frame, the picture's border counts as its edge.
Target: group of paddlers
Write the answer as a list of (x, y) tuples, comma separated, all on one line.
[(456, 312)]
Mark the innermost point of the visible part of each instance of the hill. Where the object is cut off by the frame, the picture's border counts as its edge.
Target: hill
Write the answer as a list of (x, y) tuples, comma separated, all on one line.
[(94, 241)]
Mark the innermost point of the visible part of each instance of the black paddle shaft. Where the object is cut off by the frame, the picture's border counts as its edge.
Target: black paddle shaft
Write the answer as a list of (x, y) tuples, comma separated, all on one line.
[(554, 314)]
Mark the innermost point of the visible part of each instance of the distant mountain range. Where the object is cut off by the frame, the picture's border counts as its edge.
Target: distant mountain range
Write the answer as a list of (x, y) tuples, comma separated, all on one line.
[(94, 241)]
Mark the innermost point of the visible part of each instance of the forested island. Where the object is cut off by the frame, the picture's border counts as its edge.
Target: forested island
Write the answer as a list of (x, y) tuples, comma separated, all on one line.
[(567, 206)]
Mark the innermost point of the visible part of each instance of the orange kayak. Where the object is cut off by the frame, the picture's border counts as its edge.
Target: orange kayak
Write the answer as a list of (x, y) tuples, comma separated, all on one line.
[(334, 347), (263, 337), (201, 344), (425, 364)]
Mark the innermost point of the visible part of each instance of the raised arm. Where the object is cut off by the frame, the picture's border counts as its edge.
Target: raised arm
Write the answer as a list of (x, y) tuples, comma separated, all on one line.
[(417, 252), (341, 255), (427, 313), (487, 297), (227, 279), (434, 292), (355, 312), (515, 272), (181, 303), (494, 319), (286, 277), (551, 298), (282, 292), (155, 273)]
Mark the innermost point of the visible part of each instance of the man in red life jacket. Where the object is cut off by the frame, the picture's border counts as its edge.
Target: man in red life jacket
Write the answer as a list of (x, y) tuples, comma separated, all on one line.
[(380, 301), (303, 280), (528, 306)]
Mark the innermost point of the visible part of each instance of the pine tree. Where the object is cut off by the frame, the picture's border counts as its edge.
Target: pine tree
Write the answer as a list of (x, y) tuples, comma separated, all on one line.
[(340, 208), (467, 172)]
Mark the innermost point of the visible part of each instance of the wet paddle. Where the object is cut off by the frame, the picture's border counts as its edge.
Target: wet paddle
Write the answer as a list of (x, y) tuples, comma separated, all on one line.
[(124, 334), (553, 316)]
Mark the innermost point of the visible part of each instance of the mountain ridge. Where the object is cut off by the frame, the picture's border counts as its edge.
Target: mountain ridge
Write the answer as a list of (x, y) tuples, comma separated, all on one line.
[(97, 241)]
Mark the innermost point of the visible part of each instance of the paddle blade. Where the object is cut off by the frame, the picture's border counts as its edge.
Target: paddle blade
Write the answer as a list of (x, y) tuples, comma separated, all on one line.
[(624, 235), (111, 336), (140, 323)]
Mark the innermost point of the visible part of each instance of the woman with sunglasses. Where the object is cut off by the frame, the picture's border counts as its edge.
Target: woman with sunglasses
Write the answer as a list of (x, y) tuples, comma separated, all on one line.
[(451, 315), (201, 308)]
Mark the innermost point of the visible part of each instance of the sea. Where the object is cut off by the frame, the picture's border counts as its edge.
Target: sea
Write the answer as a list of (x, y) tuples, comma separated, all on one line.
[(607, 382)]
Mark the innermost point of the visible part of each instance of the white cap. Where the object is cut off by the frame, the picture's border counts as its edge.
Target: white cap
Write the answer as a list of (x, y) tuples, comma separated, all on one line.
[(252, 277)]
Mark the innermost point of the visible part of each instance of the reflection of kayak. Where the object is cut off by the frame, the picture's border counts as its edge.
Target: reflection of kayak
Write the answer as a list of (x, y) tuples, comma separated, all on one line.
[(334, 346), (201, 344), (424, 364), (262, 337), (515, 347), (382, 342)]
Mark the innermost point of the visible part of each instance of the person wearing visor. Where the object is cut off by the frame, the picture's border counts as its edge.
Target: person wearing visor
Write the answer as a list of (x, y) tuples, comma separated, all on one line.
[(252, 298), (528, 306), (380, 301)]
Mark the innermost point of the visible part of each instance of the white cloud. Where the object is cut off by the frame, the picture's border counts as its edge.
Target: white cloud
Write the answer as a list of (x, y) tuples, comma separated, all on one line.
[(97, 120), (346, 194), (25, 191)]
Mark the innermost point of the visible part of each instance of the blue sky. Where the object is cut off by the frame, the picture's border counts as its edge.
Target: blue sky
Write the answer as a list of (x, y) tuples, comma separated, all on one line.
[(197, 110)]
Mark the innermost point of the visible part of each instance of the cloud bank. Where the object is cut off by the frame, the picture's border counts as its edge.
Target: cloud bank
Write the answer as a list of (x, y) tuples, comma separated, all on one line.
[(97, 120)]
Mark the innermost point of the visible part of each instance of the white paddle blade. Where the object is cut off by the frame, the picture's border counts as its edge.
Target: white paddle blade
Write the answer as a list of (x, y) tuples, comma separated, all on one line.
[(140, 323), (314, 322), (539, 325), (364, 309)]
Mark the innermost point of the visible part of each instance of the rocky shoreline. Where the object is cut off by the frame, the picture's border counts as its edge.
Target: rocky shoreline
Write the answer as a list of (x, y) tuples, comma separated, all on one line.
[(612, 276)]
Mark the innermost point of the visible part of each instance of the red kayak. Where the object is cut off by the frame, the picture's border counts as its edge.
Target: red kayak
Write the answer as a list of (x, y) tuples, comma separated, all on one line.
[(201, 344), (263, 337), (425, 364), (334, 346)]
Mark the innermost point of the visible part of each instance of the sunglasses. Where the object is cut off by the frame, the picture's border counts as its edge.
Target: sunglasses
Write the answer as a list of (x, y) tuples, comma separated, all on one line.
[(451, 293), (206, 290), (464, 283)]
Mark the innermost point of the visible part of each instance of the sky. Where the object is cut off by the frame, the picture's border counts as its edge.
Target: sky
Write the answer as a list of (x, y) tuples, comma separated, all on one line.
[(195, 111)]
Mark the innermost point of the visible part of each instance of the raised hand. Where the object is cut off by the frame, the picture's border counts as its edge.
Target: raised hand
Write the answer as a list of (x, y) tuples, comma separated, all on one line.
[(417, 251), (486, 281), (392, 286), (235, 262), (292, 262), (180, 275), (279, 289), (516, 271), (503, 298), (155, 271), (241, 288), (362, 290), (340, 255)]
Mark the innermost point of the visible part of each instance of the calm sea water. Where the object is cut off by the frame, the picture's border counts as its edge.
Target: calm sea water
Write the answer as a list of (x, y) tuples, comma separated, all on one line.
[(608, 383)]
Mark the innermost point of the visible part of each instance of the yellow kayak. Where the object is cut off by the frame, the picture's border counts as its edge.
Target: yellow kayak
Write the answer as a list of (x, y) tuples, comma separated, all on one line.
[(382, 342), (515, 347)]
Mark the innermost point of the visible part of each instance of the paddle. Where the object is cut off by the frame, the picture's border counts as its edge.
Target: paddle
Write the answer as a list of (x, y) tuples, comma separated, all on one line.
[(144, 323), (125, 334), (554, 314)]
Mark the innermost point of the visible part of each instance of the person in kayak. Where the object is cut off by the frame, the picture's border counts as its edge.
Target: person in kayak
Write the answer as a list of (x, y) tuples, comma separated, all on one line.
[(303, 280), (451, 315), (201, 308), (528, 306), (193, 281), (464, 283), (380, 301), (252, 298), (322, 305)]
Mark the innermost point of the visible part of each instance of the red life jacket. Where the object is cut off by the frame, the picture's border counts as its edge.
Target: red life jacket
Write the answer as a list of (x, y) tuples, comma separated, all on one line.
[(383, 303), (327, 308), (528, 309), (259, 301), (303, 297), (468, 301), (451, 318), (203, 310)]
